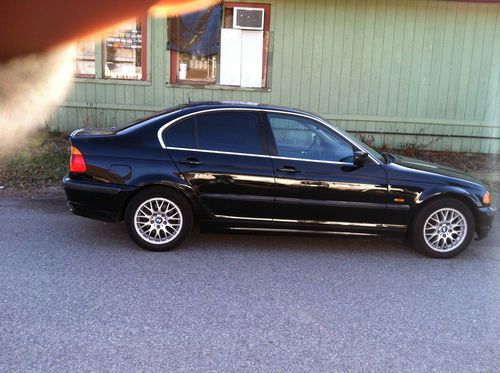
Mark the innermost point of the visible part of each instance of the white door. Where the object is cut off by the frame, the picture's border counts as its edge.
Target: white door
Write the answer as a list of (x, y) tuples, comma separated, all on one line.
[(241, 57)]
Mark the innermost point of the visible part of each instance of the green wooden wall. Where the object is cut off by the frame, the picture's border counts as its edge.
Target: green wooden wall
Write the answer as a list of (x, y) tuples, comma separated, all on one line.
[(398, 72)]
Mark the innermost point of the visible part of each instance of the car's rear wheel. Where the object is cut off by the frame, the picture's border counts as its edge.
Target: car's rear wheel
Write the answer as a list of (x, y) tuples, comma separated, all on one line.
[(443, 229), (158, 219)]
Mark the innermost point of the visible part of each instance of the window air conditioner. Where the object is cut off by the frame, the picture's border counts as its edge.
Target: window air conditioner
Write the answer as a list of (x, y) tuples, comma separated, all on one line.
[(248, 18)]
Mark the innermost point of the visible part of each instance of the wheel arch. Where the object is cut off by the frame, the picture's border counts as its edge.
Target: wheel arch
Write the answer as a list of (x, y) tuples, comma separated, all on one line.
[(184, 191), (459, 194)]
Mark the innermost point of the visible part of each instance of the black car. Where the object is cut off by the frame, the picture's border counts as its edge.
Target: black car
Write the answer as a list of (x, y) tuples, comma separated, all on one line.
[(253, 167)]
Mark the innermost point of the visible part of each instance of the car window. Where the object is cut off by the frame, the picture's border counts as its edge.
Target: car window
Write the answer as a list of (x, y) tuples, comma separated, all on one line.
[(298, 137), (182, 134), (238, 132)]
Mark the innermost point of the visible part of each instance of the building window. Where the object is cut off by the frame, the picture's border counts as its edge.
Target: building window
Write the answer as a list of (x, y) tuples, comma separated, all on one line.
[(125, 51), (195, 69), (85, 58), (241, 48)]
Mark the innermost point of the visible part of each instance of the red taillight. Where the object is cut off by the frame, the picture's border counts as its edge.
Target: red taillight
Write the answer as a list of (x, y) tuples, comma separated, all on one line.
[(77, 162)]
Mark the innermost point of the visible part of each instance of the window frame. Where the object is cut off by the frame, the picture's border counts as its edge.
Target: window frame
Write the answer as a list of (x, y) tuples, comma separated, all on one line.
[(174, 55), (100, 56), (89, 76), (261, 133), (143, 19), (273, 146)]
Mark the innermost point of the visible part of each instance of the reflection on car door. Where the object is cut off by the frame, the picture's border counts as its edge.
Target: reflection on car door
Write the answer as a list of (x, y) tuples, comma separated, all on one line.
[(223, 155), (316, 180)]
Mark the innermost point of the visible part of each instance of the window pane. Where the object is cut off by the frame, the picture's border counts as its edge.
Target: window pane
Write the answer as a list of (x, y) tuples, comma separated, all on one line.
[(196, 69), (230, 132), (123, 47), (85, 58), (306, 139), (182, 134)]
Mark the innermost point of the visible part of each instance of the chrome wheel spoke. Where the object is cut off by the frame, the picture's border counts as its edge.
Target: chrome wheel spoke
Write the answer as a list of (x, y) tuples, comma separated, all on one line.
[(158, 220), (445, 230)]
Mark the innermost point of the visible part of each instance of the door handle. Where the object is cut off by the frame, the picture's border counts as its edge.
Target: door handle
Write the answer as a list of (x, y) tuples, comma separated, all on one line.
[(191, 161), (288, 169)]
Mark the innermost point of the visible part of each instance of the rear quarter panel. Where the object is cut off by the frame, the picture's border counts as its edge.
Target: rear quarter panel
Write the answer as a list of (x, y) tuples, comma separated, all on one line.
[(132, 158)]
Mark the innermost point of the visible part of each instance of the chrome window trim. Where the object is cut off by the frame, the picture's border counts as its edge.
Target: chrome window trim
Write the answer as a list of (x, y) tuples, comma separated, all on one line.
[(317, 119), (253, 155), (218, 152), (310, 160)]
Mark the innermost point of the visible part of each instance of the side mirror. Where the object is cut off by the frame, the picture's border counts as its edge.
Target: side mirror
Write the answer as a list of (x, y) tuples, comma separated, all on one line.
[(360, 157)]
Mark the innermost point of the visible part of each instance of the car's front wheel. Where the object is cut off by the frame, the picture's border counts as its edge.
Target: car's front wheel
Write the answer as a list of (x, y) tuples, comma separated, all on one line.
[(443, 229), (158, 219)]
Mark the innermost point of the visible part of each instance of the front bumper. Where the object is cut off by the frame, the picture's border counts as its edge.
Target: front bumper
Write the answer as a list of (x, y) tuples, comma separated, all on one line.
[(95, 200), (485, 218)]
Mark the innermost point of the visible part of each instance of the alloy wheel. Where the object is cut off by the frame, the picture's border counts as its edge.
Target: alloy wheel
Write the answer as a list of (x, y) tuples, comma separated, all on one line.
[(445, 230), (158, 221)]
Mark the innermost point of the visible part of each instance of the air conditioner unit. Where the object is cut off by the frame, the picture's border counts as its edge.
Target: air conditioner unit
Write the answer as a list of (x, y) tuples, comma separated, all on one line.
[(248, 18)]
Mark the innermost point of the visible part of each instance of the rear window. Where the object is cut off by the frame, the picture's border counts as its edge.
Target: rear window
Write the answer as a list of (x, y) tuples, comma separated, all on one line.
[(230, 132), (182, 134), (236, 132), (136, 122)]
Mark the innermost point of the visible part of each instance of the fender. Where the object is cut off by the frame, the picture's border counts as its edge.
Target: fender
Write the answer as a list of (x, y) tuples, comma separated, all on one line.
[(471, 199), (174, 181)]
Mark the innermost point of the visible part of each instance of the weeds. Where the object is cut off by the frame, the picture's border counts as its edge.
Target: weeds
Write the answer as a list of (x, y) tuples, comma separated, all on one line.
[(41, 161)]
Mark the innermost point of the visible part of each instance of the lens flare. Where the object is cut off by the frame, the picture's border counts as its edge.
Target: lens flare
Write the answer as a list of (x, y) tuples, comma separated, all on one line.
[(30, 89)]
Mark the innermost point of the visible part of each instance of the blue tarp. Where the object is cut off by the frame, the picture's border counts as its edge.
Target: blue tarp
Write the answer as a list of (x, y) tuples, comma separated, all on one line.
[(196, 33)]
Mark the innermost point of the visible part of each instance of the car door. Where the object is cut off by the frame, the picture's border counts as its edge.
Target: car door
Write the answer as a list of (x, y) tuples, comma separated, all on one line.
[(316, 180), (224, 156)]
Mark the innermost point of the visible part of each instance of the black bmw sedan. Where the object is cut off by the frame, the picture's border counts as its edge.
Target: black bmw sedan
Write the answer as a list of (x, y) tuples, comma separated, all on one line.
[(253, 167)]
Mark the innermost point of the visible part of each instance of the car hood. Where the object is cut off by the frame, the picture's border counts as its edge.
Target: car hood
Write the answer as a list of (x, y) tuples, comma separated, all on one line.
[(435, 168)]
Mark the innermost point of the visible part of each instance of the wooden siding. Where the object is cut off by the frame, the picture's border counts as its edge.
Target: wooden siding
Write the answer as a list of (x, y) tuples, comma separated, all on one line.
[(397, 72)]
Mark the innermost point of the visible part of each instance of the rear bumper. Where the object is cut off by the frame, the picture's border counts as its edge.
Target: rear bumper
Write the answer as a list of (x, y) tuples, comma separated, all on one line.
[(96, 201), (484, 220)]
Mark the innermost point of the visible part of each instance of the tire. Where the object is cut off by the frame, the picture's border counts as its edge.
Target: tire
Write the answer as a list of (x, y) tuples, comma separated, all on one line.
[(158, 219), (443, 229)]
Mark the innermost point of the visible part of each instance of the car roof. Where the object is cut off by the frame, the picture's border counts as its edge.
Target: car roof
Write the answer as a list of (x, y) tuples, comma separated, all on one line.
[(200, 105)]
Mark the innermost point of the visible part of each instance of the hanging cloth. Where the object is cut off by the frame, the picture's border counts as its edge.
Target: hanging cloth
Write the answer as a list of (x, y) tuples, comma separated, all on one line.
[(196, 33)]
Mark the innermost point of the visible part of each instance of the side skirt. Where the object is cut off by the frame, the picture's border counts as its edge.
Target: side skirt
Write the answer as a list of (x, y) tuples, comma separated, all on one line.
[(297, 226), (287, 230)]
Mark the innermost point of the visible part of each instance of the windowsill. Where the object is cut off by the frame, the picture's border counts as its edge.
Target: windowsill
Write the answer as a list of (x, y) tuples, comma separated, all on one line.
[(81, 79), (217, 87)]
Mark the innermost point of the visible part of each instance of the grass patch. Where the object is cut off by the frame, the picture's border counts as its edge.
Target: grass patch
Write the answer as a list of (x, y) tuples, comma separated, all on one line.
[(42, 161)]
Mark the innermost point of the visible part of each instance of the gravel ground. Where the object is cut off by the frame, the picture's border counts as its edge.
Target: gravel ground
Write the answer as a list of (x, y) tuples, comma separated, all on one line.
[(77, 295)]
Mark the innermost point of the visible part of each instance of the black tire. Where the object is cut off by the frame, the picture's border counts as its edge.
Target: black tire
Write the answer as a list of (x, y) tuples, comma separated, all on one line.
[(417, 235), (172, 230)]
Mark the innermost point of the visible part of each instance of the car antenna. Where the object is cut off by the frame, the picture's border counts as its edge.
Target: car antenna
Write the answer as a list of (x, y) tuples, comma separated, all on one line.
[(189, 98)]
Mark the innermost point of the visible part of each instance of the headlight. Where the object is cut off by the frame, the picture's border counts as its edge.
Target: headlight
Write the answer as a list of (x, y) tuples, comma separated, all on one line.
[(487, 199)]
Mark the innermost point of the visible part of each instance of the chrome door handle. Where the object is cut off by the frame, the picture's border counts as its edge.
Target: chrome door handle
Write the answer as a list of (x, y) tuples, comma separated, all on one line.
[(288, 169), (191, 162)]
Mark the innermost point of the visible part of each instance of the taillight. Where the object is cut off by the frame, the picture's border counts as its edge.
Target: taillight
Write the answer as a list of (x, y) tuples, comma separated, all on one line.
[(77, 162)]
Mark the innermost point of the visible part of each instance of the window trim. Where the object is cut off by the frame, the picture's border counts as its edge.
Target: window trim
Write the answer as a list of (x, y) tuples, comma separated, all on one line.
[(143, 19), (100, 60), (159, 134), (261, 133), (174, 60), (89, 76), (275, 149)]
